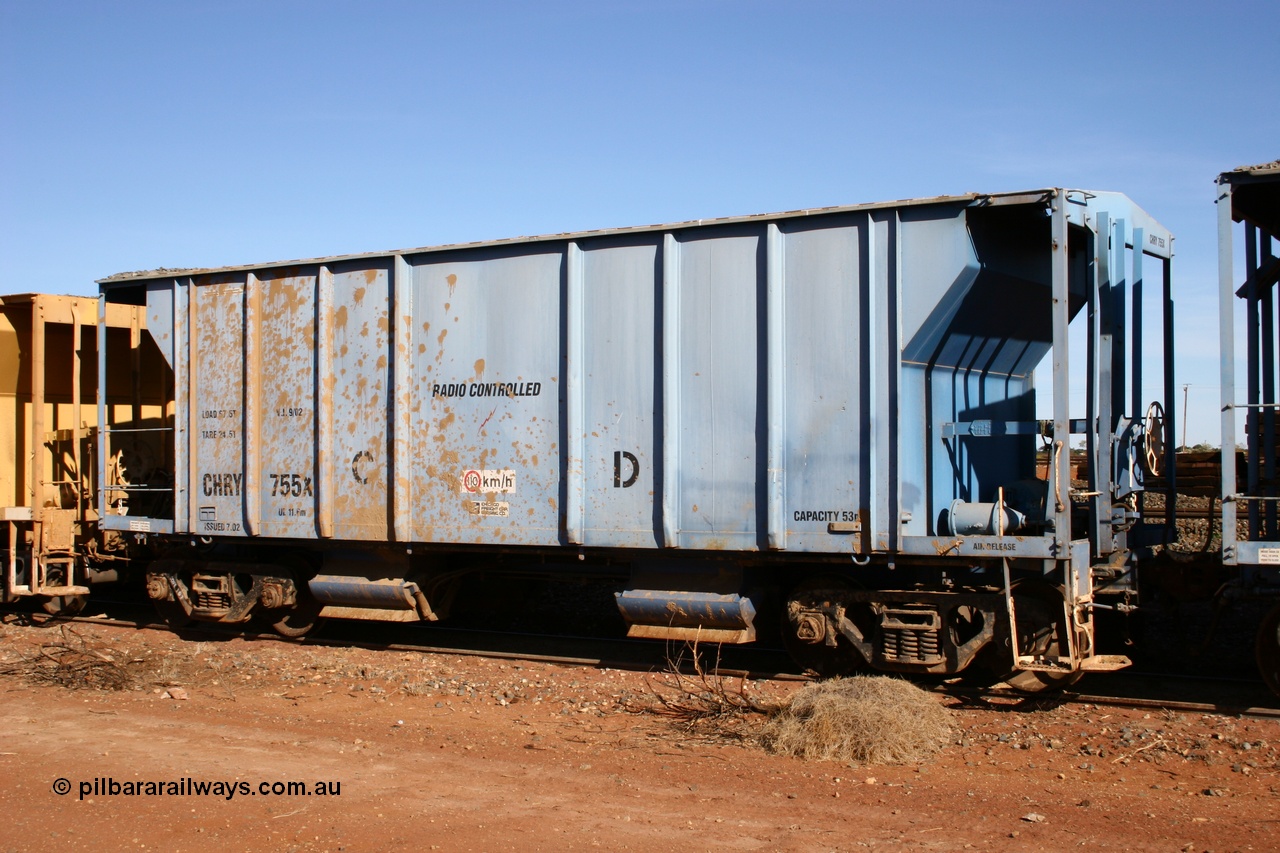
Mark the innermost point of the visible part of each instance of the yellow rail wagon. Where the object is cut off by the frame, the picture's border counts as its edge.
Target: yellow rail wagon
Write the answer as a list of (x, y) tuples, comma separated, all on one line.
[(52, 543)]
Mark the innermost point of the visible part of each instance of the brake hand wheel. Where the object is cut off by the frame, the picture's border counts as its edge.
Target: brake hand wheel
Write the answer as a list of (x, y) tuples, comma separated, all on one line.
[(1153, 439)]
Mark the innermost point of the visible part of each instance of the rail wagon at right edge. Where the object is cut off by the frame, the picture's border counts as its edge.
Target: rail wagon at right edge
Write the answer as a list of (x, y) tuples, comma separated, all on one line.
[(1249, 208)]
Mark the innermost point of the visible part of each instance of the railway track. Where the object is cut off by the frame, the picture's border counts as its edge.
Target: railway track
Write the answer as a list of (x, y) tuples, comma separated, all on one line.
[(1100, 694), (610, 652), (1127, 689)]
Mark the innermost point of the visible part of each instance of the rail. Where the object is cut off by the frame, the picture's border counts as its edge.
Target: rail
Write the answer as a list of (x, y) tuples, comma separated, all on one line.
[(1230, 697)]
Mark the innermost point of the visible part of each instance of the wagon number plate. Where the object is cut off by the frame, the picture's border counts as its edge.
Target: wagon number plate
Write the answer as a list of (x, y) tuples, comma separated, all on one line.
[(290, 485)]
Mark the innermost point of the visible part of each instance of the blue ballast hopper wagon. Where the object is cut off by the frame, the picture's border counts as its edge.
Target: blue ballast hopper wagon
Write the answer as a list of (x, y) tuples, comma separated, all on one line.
[(830, 413)]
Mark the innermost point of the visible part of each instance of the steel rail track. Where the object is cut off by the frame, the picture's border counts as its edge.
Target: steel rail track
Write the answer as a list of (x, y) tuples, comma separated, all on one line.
[(1185, 707), (647, 656), (640, 655), (1069, 697)]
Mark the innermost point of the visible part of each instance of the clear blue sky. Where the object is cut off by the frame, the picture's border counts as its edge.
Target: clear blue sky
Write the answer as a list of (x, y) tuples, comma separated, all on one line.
[(136, 135)]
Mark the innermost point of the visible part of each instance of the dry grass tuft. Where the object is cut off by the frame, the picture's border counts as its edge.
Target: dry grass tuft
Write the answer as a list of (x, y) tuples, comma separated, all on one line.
[(72, 662), (865, 719)]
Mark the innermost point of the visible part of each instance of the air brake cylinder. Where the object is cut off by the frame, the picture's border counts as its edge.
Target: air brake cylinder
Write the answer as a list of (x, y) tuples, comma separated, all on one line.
[(983, 519), (678, 615), (387, 594)]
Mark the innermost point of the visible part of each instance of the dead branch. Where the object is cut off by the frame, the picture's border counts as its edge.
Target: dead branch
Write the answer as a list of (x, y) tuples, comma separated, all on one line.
[(699, 700), (71, 662)]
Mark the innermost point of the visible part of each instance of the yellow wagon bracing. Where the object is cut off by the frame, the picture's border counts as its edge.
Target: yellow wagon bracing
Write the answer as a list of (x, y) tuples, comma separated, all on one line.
[(50, 538)]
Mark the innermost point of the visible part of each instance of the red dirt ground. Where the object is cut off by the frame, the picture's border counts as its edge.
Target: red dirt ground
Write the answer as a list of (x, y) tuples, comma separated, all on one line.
[(456, 753)]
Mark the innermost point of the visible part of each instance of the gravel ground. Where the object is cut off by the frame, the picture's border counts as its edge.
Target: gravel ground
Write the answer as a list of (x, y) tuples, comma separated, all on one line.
[(459, 753)]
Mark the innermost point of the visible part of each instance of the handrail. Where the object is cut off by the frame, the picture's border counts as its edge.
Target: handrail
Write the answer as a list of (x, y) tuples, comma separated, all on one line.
[(139, 429)]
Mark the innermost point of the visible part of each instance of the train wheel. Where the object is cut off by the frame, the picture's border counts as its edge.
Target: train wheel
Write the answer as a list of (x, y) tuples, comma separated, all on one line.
[(61, 605), (1038, 608), (172, 613), (298, 620), (168, 608), (988, 668), (805, 631), (1268, 649), (64, 605)]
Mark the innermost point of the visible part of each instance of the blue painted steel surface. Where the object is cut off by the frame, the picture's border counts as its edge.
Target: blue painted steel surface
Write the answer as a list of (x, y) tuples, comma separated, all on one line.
[(799, 382), (1250, 196)]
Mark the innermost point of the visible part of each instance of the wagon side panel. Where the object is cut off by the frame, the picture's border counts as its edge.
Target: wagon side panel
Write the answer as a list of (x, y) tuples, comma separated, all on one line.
[(485, 415), (218, 407), (619, 370), (284, 369), (355, 389)]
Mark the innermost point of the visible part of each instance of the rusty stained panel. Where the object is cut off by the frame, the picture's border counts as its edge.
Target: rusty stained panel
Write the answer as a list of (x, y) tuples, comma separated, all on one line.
[(358, 382), (285, 370), (485, 410), (217, 410)]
